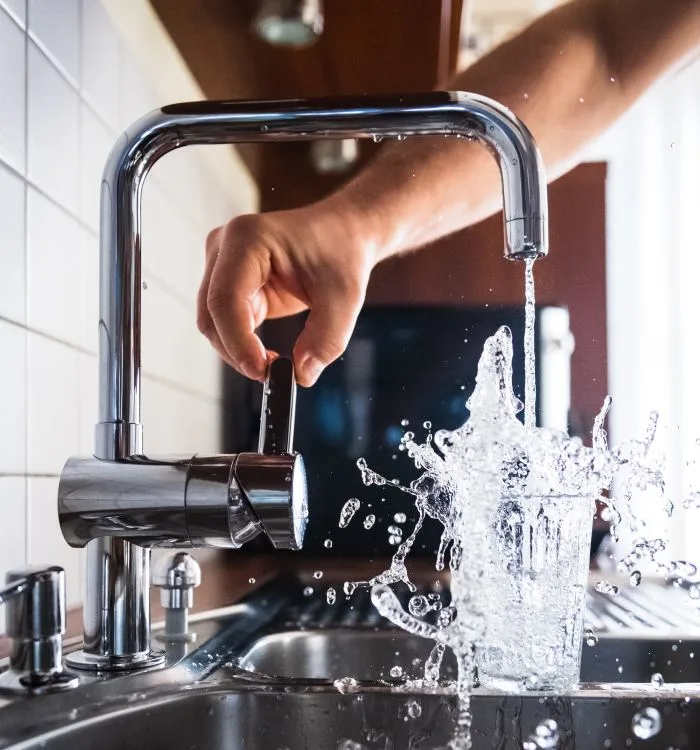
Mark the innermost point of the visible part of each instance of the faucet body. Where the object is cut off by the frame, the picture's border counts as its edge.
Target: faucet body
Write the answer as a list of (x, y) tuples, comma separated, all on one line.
[(119, 502)]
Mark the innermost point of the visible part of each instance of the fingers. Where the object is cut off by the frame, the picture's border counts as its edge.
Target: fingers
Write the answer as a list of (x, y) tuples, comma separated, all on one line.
[(236, 305), (334, 311), (205, 324)]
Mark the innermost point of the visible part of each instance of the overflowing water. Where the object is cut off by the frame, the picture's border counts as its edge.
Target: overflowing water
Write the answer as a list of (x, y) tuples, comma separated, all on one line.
[(515, 502)]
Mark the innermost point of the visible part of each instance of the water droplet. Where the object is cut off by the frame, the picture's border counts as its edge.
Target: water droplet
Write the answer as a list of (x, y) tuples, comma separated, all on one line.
[(400, 137), (404, 423), (418, 606), (635, 578), (396, 671), (646, 723), (328, 543), (591, 638), (413, 709), (346, 744), (581, 100), (546, 735), (348, 511), (612, 79), (345, 684), (369, 521), (377, 138), (400, 517), (427, 424), (657, 680), (349, 588), (605, 587), (144, 285), (251, 580), (264, 128), (394, 540), (318, 574), (331, 596), (308, 591)]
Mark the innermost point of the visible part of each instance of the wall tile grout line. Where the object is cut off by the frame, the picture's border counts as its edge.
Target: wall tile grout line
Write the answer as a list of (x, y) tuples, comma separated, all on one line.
[(29, 475), (27, 516)]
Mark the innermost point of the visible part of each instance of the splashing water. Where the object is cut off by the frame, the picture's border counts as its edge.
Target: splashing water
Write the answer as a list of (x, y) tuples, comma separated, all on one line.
[(646, 723), (545, 736), (515, 502), (348, 511)]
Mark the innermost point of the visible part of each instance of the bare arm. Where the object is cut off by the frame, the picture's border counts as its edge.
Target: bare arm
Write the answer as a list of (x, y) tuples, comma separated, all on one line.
[(568, 76)]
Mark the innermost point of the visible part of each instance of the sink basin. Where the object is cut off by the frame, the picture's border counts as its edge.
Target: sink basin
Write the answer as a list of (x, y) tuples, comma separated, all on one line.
[(260, 677), (369, 655), (215, 717)]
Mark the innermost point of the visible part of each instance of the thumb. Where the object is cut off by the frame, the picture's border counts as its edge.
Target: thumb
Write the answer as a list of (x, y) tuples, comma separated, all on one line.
[(333, 313)]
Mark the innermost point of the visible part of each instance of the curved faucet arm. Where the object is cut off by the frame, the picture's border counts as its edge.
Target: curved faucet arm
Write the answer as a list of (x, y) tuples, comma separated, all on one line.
[(154, 135)]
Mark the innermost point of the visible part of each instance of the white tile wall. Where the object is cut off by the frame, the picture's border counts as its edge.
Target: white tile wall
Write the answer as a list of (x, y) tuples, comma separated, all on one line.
[(53, 135), (53, 257), (12, 245), (13, 506), (68, 86), (13, 412), (12, 92), (55, 26)]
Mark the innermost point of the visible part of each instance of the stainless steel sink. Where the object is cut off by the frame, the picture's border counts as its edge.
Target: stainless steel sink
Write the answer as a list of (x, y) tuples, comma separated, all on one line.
[(229, 716), (296, 646), (369, 656)]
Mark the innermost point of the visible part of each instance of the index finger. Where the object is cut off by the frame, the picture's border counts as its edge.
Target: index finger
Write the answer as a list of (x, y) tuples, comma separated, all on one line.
[(237, 305)]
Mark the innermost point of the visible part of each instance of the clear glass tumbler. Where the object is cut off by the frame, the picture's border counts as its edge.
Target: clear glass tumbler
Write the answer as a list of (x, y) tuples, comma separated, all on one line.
[(537, 576)]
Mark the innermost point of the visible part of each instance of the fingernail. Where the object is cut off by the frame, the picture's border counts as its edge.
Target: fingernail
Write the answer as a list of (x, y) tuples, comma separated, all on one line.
[(250, 370), (311, 368)]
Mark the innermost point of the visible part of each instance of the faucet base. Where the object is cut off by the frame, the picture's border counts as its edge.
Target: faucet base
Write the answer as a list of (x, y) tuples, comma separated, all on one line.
[(16, 683), (87, 662)]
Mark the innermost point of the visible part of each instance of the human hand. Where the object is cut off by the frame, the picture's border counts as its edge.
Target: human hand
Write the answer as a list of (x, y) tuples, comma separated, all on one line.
[(272, 265)]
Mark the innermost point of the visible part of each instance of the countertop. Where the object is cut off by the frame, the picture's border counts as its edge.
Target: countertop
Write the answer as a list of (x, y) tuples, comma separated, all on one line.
[(226, 577)]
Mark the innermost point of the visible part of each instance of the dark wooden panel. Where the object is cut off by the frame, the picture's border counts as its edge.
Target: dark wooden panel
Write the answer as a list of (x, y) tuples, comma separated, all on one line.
[(468, 268), (368, 46)]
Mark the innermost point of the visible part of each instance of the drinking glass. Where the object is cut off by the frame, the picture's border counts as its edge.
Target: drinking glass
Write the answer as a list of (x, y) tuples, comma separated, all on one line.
[(539, 550)]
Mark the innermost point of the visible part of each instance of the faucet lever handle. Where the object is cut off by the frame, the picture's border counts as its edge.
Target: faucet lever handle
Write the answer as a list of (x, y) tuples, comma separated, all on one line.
[(278, 408)]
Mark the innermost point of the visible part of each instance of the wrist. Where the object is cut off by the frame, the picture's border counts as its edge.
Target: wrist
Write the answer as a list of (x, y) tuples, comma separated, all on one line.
[(361, 226)]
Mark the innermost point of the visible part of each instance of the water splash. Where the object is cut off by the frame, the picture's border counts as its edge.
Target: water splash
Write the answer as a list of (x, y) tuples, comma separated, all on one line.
[(646, 723), (348, 511)]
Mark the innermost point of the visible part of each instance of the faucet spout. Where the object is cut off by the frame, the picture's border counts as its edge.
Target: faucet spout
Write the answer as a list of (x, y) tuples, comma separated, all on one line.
[(249, 497), (174, 126)]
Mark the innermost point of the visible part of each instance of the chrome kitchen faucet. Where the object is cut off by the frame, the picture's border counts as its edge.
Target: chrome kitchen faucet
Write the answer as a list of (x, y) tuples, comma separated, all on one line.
[(119, 503)]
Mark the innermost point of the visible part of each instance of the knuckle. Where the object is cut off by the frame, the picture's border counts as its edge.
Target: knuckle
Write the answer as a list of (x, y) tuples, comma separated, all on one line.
[(212, 241), (328, 350), (205, 325)]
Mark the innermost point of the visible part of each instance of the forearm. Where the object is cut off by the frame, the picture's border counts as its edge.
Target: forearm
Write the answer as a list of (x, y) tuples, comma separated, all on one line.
[(568, 77)]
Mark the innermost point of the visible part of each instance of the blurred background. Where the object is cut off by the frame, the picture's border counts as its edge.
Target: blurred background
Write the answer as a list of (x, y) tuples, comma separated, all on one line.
[(75, 73)]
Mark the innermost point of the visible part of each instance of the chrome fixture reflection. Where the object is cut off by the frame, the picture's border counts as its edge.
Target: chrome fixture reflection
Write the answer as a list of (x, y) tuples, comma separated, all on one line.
[(120, 502), (289, 23), (334, 157), (177, 576), (36, 619)]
